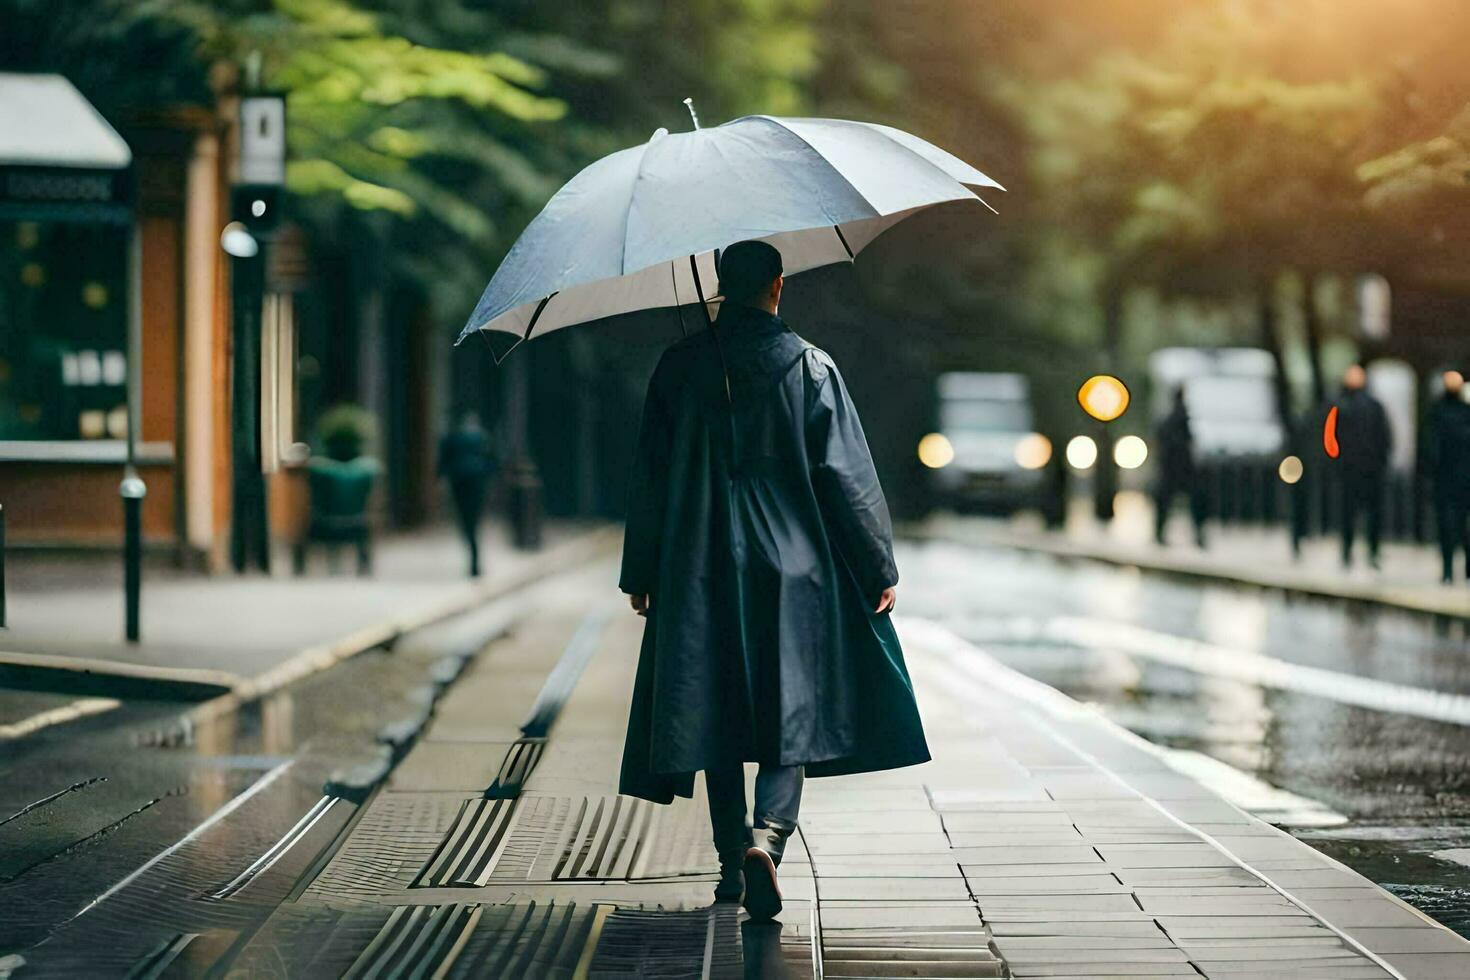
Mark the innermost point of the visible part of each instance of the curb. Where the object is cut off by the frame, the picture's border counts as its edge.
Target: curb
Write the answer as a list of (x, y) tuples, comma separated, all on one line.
[(83, 675), (1450, 606)]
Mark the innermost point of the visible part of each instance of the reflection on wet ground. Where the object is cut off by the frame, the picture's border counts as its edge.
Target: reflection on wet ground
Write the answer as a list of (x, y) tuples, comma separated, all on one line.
[(1386, 788), (86, 802)]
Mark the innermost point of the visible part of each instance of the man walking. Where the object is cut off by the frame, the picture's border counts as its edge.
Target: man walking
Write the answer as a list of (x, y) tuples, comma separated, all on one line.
[(465, 461), (1364, 442), (1447, 448), (1176, 471), (759, 547)]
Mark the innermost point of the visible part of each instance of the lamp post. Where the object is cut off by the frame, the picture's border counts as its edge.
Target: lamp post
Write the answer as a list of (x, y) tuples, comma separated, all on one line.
[(254, 210), (1104, 398)]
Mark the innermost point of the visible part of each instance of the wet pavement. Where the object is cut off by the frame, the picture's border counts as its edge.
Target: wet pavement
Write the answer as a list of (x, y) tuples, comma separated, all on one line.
[(86, 802), (448, 807), (1270, 686)]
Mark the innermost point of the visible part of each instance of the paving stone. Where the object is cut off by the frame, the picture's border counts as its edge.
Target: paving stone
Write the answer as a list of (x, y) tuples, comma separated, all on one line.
[(1125, 970), (985, 821), (1146, 877), (820, 845), (1290, 923), (1381, 911), (998, 912), (1249, 971), (1023, 838), (1216, 906), (870, 915), (1425, 939), (887, 889), (860, 822), (1225, 967), (1060, 854), (1020, 958), (982, 884), (1153, 940), (1431, 966), (898, 862), (964, 798), (1043, 870), (1178, 889), (1122, 813), (440, 765), (1139, 837), (1253, 847), (1279, 951), (1139, 927), (1164, 856), (852, 867), (1010, 904), (975, 938), (1318, 878)]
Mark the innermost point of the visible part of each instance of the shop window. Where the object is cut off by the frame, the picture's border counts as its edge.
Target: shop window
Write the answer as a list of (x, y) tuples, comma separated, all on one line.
[(63, 331)]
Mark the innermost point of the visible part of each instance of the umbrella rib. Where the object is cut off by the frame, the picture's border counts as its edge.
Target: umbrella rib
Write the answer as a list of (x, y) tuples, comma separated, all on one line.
[(843, 239), (536, 316), (527, 335)]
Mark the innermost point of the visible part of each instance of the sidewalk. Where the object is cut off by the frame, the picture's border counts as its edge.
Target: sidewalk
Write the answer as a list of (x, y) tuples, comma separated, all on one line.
[(1409, 578), (251, 634), (1042, 841)]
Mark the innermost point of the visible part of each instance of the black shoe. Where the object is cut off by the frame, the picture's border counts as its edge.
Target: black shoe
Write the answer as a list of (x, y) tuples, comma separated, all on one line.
[(762, 891), (731, 887)]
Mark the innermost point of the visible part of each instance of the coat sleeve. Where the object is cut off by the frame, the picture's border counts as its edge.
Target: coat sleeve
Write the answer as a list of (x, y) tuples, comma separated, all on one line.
[(647, 494), (846, 483)]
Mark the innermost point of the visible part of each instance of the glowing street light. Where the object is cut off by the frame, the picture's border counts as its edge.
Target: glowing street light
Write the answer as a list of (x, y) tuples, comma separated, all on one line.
[(1290, 470), (1130, 452), (1081, 452), (1103, 397), (1033, 451), (936, 451)]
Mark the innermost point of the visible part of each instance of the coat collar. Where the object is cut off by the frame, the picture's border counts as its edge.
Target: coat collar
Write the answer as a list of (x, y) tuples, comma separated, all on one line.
[(749, 321)]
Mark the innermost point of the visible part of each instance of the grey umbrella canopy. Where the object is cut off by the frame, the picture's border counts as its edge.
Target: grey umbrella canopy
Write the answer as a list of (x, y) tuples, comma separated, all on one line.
[(640, 229)]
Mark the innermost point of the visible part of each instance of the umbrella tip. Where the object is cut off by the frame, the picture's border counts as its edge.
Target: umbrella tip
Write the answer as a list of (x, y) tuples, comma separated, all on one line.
[(689, 104)]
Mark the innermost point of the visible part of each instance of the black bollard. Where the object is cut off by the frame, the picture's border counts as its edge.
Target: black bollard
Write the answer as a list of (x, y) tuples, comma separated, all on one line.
[(524, 491), (133, 491)]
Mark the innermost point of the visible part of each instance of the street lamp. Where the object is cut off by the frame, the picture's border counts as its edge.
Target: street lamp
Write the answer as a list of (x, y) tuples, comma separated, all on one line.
[(1104, 398), (254, 210)]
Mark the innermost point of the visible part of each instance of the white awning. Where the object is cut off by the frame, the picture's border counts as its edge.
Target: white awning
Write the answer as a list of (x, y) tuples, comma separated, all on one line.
[(46, 122)]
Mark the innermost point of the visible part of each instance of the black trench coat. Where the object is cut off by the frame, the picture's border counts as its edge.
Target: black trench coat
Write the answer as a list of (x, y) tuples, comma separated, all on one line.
[(757, 525)]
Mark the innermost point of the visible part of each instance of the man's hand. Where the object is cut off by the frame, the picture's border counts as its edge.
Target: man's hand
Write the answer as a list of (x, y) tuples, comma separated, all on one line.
[(887, 600), (639, 604)]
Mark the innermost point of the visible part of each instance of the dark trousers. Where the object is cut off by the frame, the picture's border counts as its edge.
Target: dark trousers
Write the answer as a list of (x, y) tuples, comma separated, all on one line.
[(1454, 532), (469, 501), (777, 800), (1361, 492), (1170, 484)]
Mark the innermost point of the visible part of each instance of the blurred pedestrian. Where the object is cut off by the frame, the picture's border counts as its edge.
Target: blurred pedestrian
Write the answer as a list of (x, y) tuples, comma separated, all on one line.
[(1176, 471), (466, 462), (759, 547), (1447, 455), (1364, 442)]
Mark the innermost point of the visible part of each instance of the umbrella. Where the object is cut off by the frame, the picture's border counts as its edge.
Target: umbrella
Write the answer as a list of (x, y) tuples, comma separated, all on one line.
[(641, 229)]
